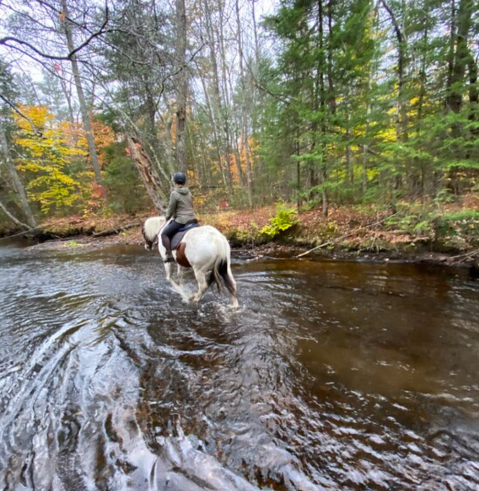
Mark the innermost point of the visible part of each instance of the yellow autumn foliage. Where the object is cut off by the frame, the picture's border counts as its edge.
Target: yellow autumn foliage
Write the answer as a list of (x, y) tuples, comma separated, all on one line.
[(48, 152)]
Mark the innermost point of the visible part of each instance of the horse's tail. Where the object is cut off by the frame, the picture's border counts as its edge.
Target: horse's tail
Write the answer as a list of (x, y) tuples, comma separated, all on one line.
[(221, 274)]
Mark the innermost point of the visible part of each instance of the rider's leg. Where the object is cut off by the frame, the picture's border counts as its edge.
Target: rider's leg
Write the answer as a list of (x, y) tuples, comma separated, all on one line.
[(166, 235)]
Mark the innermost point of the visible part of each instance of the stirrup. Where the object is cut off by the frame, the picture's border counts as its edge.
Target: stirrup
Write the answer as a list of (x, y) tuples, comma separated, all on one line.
[(169, 259)]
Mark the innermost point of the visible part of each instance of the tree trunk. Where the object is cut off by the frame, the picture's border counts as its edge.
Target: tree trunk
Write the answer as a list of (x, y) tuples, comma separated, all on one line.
[(168, 141), (231, 146), (402, 110), (148, 174), (401, 122), (331, 95), (81, 99), (25, 205), (181, 86), (424, 167), (323, 173), (473, 94), (244, 111), (218, 114), (68, 96), (459, 57), (12, 217), (216, 137)]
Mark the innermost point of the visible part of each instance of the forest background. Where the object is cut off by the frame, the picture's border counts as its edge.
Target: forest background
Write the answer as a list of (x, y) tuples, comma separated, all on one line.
[(339, 113)]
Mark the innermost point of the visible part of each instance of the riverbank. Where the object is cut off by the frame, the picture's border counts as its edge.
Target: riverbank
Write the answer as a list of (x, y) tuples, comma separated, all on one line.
[(348, 233)]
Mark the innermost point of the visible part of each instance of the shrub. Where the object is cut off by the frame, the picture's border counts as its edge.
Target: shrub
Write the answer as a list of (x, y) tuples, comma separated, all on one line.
[(413, 219), (284, 219), (463, 224)]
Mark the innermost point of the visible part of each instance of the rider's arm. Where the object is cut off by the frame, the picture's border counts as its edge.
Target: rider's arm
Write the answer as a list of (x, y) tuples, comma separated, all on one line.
[(170, 212)]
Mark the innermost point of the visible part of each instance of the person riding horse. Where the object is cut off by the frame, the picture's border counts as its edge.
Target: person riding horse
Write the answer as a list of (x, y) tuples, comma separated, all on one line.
[(180, 208)]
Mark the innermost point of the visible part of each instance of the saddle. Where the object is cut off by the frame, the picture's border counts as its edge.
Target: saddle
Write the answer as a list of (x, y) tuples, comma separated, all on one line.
[(177, 246), (178, 237)]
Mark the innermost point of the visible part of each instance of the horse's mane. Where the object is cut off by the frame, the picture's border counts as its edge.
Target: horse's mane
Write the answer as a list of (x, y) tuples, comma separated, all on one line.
[(151, 228)]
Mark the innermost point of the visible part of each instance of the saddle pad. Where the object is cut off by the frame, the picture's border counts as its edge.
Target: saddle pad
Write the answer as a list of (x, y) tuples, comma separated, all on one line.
[(178, 237)]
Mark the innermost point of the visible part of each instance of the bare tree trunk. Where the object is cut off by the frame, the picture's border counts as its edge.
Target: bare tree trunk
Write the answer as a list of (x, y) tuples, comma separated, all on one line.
[(249, 170), (298, 175), (66, 93), (16, 179), (168, 122), (425, 191), (12, 218), (181, 86), (323, 173), (349, 160), (218, 113), (473, 94), (459, 57), (148, 174), (255, 31), (216, 133), (230, 139), (81, 99), (331, 95), (152, 132), (402, 112)]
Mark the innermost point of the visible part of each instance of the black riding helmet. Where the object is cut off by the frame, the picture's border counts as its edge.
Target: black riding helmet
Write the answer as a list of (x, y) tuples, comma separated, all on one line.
[(179, 178)]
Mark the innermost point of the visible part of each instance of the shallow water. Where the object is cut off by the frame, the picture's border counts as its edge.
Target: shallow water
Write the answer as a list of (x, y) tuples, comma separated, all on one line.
[(344, 376)]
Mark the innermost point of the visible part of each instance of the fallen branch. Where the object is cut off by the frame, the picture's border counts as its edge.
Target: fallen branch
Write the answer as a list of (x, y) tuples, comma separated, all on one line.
[(25, 233), (116, 230), (15, 220), (335, 241), (467, 254)]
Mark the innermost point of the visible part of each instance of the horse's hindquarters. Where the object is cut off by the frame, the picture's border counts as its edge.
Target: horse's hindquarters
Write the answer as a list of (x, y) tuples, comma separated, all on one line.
[(208, 252), (204, 245)]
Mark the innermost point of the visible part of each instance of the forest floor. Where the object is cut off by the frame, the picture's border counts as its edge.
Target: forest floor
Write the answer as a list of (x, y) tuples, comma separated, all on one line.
[(351, 233)]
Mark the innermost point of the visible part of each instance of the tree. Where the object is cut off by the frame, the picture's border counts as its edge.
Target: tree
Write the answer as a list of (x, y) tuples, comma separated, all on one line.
[(8, 94), (182, 85), (47, 159), (67, 25)]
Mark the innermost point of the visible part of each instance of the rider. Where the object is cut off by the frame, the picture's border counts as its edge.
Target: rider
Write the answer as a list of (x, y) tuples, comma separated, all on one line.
[(180, 209)]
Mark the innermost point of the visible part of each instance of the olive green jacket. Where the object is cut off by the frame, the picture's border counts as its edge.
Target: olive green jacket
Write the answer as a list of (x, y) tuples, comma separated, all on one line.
[(181, 206)]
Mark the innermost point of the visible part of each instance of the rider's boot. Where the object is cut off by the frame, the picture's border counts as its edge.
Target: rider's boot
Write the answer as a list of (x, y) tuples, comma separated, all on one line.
[(169, 257)]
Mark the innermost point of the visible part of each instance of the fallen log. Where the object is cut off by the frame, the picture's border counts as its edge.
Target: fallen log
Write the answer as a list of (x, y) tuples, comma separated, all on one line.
[(116, 230), (345, 236)]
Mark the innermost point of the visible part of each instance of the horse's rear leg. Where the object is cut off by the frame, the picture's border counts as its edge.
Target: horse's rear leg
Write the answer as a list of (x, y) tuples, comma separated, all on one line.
[(202, 286), (180, 275), (176, 287), (233, 284)]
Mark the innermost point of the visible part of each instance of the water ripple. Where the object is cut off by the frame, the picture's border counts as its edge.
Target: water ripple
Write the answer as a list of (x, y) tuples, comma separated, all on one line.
[(335, 376)]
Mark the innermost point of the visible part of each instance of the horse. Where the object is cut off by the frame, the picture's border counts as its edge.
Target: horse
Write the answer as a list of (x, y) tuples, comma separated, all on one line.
[(205, 249)]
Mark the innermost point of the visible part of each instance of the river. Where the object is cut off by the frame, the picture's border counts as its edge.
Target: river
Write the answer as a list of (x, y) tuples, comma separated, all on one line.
[(331, 375)]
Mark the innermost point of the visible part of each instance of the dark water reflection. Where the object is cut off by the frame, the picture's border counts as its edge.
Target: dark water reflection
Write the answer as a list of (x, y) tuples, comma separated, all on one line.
[(330, 376)]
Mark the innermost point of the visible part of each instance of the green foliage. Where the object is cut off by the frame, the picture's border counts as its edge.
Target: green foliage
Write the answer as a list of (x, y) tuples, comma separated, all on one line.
[(72, 244), (464, 223), (284, 219), (414, 219), (7, 87), (126, 193), (458, 230), (246, 235)]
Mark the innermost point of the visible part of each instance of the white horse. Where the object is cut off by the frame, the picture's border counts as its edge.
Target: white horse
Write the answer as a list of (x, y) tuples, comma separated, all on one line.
[(204, 248)]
